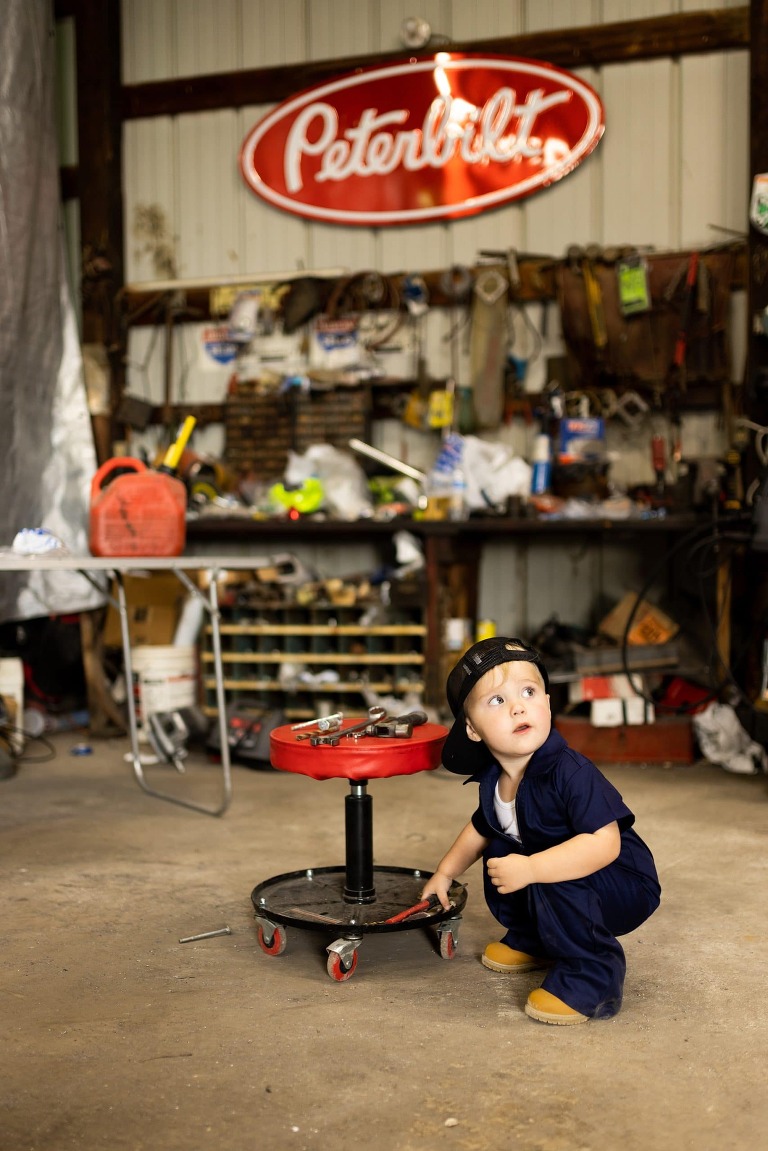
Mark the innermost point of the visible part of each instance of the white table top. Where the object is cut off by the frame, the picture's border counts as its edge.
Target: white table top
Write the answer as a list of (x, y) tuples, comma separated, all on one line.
[(11, 561)]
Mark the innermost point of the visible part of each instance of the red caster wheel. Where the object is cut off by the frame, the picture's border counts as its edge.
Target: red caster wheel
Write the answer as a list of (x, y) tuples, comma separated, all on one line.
[(337, 969), (448, 944), (276, 945)]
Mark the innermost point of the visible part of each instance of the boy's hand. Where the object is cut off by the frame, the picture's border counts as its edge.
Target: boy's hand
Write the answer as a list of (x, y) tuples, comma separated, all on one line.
[(510, 873), (439, 885)]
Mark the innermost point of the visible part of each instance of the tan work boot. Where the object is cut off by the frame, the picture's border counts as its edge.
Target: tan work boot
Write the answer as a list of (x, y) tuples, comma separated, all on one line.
[(499, 957), (547, 1008)]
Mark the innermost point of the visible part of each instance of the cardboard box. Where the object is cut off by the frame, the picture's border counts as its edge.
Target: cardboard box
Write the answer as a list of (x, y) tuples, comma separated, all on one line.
[(582, 438), (615, 712), (639, 710), (154, 605), (607, 712), (650, 625)]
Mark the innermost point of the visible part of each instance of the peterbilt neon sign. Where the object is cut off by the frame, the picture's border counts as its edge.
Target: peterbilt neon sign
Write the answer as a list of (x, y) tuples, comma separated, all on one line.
[(423, 140)]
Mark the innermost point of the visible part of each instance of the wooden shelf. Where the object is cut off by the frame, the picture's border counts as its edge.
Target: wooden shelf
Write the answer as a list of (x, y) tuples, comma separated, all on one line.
[(321, 657), (260, 640), (350, 686), (332, 630)]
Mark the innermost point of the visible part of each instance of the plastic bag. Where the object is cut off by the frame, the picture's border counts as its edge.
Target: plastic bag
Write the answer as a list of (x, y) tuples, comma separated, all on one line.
[(493, 473), (724, 741), (347, 495)]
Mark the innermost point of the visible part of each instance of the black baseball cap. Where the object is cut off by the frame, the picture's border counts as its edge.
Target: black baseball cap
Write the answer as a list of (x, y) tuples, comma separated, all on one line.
[(460, 753)]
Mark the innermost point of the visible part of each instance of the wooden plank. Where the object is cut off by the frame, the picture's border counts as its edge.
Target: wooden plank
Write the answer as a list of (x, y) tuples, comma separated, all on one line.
[(320, 629), (145, 308), (324, 657), (687, 33), (378, 686)]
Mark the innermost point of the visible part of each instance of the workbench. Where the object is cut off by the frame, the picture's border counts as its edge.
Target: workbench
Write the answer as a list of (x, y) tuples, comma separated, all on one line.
[(115, 568)]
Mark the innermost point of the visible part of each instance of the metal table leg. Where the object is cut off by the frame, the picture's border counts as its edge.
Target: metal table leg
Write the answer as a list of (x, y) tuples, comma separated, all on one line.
[(211, 603)]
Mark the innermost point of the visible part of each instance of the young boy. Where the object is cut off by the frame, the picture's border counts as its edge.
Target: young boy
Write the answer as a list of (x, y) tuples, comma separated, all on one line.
[(564, 870)]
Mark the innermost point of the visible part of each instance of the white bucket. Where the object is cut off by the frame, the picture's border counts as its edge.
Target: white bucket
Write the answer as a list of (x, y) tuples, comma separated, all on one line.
[(164, 679)]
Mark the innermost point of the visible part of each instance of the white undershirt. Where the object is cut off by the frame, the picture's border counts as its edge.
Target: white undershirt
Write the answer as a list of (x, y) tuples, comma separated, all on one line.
[(506, 815)]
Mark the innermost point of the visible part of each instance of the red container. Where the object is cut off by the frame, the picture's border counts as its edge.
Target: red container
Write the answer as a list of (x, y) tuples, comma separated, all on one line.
[(135, 511)]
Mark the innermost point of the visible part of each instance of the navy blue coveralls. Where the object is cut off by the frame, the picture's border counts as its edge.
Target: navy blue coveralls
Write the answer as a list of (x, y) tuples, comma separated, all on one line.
[(574, 923)]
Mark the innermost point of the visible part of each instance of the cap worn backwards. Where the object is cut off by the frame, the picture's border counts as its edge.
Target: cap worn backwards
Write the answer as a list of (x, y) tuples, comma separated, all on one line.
[(461, 754)]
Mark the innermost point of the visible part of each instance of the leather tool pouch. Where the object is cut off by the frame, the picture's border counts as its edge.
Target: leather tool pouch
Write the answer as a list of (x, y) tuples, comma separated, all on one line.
[(640, 348)]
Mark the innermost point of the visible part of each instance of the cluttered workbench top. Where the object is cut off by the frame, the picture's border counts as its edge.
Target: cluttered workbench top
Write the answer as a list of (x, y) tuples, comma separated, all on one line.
[(243, 527)]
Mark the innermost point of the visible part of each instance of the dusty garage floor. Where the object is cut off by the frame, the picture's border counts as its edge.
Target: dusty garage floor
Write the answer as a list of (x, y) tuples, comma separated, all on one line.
[(116, 1036)]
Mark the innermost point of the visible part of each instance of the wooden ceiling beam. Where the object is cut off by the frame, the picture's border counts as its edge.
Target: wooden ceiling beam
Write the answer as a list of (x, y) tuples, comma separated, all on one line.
[(683, 34)]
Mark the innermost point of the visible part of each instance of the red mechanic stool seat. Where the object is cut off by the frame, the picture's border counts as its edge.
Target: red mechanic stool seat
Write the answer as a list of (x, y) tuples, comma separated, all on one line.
[(359, 898)]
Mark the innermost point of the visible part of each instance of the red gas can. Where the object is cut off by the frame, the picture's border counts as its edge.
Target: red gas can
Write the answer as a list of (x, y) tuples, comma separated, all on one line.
[(135, 511)]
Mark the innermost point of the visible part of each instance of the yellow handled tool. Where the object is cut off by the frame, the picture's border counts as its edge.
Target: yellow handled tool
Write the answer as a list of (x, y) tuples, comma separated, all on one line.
[(173, 455)]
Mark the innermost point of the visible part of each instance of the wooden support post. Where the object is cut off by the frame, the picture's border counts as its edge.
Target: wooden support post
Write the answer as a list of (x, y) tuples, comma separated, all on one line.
[(100, 181)]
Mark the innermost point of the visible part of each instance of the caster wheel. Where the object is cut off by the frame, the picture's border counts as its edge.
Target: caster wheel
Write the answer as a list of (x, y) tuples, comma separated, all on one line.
[(336, 968), (276, 945), (448, 945)]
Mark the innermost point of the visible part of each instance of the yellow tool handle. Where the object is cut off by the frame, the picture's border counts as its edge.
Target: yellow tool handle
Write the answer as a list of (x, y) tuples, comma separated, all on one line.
[(173, 455), (595, 307)]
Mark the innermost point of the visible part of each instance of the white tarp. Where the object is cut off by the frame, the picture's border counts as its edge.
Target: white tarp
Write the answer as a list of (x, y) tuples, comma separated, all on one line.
[(46, 443)]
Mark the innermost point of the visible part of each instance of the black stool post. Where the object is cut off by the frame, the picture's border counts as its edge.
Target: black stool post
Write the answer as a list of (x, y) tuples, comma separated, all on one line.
[(358, 820)]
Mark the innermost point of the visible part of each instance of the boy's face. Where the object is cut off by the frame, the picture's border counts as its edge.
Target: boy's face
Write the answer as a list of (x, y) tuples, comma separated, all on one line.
[(508, 709)]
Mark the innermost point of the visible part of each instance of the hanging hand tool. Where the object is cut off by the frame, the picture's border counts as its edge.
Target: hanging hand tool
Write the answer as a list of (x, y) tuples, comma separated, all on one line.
[(676, 378), (581, 263), (681, 342), (416, 297), (488, 345), (659, 462), (456, 284), (594, 299)]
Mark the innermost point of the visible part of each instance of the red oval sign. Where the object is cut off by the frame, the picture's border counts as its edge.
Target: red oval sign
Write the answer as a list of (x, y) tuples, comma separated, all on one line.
[(423, 140)]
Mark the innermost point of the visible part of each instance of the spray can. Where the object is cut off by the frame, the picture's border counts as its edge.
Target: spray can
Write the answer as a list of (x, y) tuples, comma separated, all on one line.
[(541, 479)]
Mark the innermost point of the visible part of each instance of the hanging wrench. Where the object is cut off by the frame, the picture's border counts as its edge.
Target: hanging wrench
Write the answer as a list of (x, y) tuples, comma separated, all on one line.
[(333, 738)]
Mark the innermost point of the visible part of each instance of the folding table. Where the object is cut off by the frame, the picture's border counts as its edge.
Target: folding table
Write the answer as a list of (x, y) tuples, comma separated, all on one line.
[(117, 567)]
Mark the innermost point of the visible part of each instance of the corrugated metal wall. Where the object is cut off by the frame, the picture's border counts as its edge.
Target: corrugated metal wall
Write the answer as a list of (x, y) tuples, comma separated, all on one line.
[(672, 163), (671, 170)]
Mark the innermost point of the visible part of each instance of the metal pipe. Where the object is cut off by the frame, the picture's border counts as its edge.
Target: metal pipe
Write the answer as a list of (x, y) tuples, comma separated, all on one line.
[(358, 820), (391, 461)]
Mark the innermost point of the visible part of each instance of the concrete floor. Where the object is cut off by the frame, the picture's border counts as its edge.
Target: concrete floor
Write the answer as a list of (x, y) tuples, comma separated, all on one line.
[(118, 1036)]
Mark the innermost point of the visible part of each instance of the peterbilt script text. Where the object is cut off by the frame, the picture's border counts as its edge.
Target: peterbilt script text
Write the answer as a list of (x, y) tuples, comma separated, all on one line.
[(500, 131)]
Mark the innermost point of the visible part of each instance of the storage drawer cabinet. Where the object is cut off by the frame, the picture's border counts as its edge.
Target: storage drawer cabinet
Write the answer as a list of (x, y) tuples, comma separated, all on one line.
[(316, 658)]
